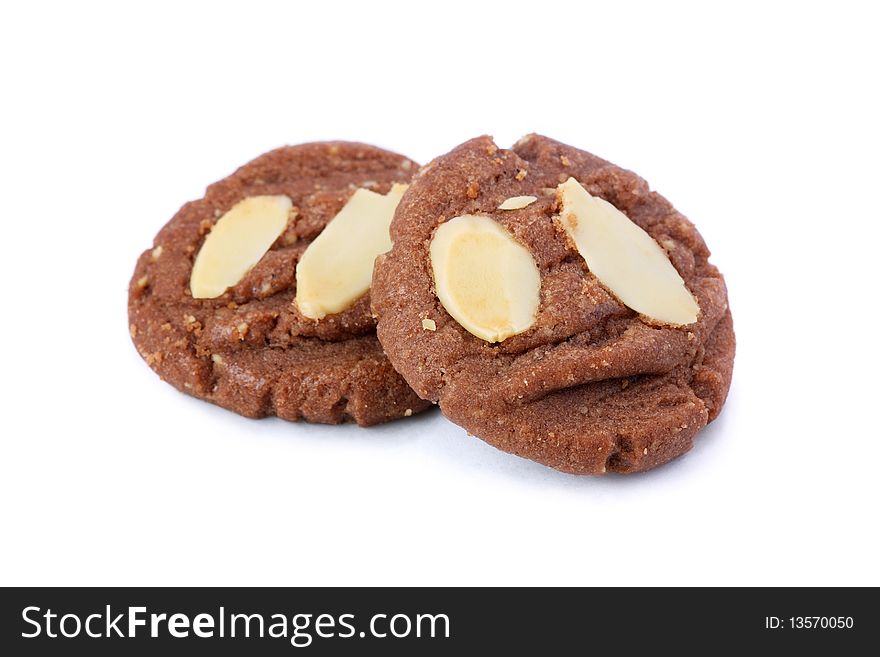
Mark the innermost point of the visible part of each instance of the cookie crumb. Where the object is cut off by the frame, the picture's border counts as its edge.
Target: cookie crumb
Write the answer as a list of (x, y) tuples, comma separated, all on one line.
[(691, 336), (133, 330), (217, 358), (192, 325), (143, 281), (645, 451), (242, 329), (491, 149), (564, 160), (407, 412), (429, 325), (473, 190), (157, 252), (205, 226), (521, 174)]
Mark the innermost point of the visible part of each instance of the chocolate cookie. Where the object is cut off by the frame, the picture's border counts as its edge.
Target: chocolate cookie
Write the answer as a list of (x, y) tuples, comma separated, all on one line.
[(572, 375), (231, 332)]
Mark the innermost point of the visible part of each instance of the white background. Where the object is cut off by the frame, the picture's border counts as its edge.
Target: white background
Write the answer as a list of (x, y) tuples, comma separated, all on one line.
[(760, 123)]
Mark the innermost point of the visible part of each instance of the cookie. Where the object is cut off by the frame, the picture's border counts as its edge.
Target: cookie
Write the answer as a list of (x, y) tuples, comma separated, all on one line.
[(229, 329), (584, 374)]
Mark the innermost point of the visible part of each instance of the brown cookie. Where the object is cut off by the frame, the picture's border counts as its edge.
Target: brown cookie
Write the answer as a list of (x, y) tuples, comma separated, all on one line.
[(250, 350), (592, 386)]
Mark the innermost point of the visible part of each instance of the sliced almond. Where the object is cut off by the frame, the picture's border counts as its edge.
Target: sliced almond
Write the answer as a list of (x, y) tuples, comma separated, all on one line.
[(337, 267), (625, 259), (517, 202), (236, 243), (485, 279)]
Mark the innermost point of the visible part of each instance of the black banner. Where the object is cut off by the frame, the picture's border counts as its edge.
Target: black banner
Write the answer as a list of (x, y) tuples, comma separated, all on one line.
[(114, 621)]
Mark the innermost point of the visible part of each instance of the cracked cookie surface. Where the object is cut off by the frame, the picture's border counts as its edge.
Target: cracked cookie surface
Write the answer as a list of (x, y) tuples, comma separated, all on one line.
[(250, 350), (591, 387)]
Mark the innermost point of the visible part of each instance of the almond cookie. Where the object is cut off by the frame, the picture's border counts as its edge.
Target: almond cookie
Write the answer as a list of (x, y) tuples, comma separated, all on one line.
[(555, 307), (214, 305)]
